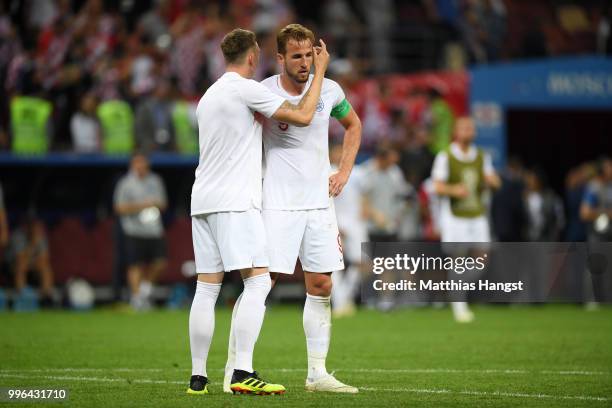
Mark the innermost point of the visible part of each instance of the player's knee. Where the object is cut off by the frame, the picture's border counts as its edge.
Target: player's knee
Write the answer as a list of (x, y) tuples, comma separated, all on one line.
[(322, 286)]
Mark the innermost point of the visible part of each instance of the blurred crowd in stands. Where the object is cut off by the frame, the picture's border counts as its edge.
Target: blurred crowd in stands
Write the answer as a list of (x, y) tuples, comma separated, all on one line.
[(108, 76)]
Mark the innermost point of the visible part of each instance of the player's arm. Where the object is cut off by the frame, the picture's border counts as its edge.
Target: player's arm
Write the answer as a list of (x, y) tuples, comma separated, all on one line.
[(439, 175), (350, 146), (301, 114), (372, 214), (132, 208), (124, 206), (456, 190), (589, 208), (491, 179)]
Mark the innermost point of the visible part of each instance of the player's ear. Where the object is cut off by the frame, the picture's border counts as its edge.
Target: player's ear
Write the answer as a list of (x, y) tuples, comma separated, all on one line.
[(280, 58)]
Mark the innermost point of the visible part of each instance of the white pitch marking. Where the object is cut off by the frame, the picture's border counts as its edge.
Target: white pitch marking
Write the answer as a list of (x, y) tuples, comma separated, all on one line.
[(92, 379), (410, 390), (490, 394), (350, 370)]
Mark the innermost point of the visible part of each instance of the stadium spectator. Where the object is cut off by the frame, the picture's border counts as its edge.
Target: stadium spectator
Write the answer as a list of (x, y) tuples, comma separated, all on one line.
[(604, 31), (29, 252), (153, 120), (187, 54), (84, 126), (118, 50), (494, 17), (535, 44), (139, 199), (154, 24)]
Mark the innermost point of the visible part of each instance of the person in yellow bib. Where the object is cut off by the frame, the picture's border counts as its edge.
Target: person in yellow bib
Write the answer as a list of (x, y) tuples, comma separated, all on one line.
[(461, 174)]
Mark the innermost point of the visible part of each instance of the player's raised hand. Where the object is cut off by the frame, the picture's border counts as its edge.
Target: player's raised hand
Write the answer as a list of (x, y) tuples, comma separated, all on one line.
[(321, 57)]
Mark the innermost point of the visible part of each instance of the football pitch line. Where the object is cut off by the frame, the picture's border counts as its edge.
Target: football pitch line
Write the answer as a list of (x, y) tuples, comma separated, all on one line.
[(28, 376), (346, 370)]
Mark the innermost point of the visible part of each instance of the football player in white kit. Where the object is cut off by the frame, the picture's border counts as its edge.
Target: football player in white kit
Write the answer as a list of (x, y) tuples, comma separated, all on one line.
[(227, 226), (298, 212), (461, 174)]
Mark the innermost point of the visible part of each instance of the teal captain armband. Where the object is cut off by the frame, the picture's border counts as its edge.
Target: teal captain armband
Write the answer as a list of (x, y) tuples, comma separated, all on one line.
[(341, 110)]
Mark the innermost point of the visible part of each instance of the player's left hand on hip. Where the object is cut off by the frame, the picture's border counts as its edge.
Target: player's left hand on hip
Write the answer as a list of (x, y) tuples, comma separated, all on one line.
[(336, 183)]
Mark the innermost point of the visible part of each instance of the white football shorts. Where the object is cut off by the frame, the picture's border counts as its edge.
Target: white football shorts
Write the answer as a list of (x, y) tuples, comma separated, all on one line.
[(457, 229), (227, 241), (311, 235)]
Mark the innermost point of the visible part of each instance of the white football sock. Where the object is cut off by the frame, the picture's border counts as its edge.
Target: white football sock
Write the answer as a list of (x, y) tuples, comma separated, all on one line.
[(231, 348), (459, 308), (317, 327), (146, 289), (202, 324), (249, 318)]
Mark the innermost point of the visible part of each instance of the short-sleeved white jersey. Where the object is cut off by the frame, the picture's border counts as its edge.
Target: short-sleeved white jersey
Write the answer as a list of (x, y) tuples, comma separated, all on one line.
[(228, 177), (296, 170)]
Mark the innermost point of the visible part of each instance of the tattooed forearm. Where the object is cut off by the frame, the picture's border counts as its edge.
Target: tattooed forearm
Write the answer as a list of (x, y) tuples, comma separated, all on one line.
[(300, 105)]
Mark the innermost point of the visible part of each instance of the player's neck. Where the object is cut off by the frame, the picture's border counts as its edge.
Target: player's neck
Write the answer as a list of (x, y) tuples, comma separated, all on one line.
[(290, 86), (242, 70), (464, 147)]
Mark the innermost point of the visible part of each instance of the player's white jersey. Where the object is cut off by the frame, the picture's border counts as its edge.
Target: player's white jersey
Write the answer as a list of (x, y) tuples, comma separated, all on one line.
[(228, 177), (296, 170), (349, 203)]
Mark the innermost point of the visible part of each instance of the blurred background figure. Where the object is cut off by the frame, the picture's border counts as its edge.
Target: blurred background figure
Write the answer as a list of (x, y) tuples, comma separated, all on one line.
[(508, 212), (441, 119), (29, 254), (4, 229), (596, 208), (576, 183), (139, 199), (385, 192), (4, 241), (546, 220), (596, 211), (153, 120), (544, 209), (84, 126), (461, 175), (353, 231)]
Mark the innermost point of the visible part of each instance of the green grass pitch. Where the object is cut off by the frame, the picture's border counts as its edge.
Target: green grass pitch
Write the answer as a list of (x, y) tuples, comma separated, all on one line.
[(547, 356)]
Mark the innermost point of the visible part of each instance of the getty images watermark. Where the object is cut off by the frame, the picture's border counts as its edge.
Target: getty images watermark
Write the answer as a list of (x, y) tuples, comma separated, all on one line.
[(458, 265), (498, 272)]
